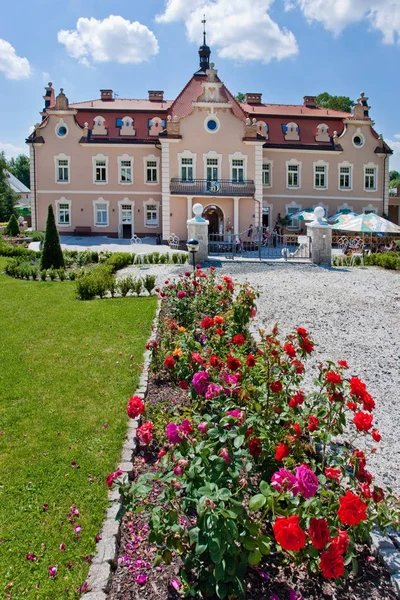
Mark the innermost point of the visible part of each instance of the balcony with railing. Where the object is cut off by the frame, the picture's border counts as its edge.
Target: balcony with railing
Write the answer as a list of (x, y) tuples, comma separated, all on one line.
[(206, 187)]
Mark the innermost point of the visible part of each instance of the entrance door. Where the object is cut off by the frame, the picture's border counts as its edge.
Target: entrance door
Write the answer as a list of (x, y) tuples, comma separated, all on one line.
[(265, 217), (214, 215), (127, 221)]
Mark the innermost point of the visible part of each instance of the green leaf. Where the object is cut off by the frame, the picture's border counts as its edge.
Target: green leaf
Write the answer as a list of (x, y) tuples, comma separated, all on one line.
[(221, 589), (249, 543), (354, 564), (322, 479), (254, 557), (224, 494), (200, 548), (265, 489), (219, 571), (238, 442), (257, 502)]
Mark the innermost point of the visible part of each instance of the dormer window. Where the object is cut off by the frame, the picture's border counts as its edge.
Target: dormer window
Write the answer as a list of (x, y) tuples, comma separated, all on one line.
[(262, 129), (99, 127), (291, 132), (156, 125), (127, 126), (322, 133)]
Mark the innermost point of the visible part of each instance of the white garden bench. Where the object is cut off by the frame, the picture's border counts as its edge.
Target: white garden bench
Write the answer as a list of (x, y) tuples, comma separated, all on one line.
[(173, 241)]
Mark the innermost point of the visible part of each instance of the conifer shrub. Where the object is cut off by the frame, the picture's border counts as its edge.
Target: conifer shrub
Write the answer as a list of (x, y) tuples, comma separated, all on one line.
[(12, 228), (137, 286), (52, 256), (149, 283)]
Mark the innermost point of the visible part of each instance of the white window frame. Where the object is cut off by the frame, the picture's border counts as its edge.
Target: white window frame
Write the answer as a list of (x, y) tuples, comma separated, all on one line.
[(297, 207), (151, 158), (95, 205), (234, 157), (103, 158), (213, 155), (350, 166), (57, 158), (186, 154), (146, 204), (361, 136), (58, 209), (371, 165), (344, 206), (293, 163), (325, 165), (120, 160), (370, 209), (269, 163), (61, 123)]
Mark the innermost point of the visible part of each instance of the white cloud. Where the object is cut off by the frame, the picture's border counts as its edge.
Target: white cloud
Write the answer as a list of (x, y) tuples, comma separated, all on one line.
[(288, 6), (335, 15), (112, 39), (236, 30), (13, 66), (11, 151), (394, 161)]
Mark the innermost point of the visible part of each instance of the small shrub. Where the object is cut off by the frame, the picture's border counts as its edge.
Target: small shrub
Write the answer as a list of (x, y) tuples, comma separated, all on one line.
[(72, 275), (94, 256), (112, 285), (37, 236), (52, 274), (43, 274), (149, 283), (61, 274), (150, 259), (137, 286), (12, 228), (34, 273), (119, 260), (156, 258), (52, 255), (124, 285), (70, 254), (163, 259), (183, 257), (11, 267), (85, 287), (175, 258), (83, 258)]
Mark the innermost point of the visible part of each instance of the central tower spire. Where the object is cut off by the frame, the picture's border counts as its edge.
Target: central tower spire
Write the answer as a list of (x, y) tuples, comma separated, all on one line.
[(204, 52)]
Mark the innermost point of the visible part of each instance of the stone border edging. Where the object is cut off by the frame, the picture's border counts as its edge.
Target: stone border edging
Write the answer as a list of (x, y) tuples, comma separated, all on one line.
[(105, 558), (388, 552)]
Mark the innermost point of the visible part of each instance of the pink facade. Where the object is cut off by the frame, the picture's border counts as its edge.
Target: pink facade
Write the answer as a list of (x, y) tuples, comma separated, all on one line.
[(121, 167)]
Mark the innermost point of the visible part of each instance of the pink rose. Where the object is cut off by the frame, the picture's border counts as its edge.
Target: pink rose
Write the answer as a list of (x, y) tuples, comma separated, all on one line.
[(307, 481), (213, 390), (283, 481), (173, 432), (225, 455), (237, 414), (200, 382), (203, 427)]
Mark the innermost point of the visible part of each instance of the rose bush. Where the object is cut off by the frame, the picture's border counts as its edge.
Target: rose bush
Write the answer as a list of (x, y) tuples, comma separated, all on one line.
[(251, 465)]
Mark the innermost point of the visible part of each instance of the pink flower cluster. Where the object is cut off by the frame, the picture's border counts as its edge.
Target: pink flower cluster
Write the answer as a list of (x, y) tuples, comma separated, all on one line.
[(304, 482), (177, 433)]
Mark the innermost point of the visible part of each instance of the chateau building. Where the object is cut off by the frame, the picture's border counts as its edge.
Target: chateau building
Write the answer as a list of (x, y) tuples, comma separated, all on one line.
[(120, 167)]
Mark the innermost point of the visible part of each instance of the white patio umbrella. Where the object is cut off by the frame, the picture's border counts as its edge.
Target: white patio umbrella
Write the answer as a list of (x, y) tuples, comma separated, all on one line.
[(368, 223)]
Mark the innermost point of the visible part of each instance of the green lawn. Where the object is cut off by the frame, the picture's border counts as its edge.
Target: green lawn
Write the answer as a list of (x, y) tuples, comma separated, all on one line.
[(67, 369)]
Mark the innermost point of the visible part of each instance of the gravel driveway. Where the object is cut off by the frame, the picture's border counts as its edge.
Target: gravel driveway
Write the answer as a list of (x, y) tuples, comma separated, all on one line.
[(352, 314)]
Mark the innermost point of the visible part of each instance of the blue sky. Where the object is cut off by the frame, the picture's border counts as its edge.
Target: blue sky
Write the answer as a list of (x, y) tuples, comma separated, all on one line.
[(282, 48)]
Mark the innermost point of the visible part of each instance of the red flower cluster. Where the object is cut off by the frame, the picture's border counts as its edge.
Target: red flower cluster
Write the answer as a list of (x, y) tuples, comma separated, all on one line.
[(332, 561), (250, 360), (169, 362), (297, 399), (307, 345), (289, 534), (319, 533), (290, 350), (207, 323), (352, 509), (218, 320), (276, 387), (196, 357), (238, 339), (233, 363), (281, 451), (135, 407), (333, 378), (335, 474), (144, 433), (363, 421), (302, 332), (313, 423), (255, 447), (343, 363), (298, 366)]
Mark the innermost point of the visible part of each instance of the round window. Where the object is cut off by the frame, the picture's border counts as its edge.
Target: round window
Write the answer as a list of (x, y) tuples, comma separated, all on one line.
[(62, 131), (358, 141), (212, 125)]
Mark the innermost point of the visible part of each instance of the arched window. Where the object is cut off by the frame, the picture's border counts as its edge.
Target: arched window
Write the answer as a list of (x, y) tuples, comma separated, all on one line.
[(291, 132), (99, 127)]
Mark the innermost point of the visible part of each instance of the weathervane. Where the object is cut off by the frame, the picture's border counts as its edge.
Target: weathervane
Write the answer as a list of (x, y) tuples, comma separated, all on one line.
[(204, 21)]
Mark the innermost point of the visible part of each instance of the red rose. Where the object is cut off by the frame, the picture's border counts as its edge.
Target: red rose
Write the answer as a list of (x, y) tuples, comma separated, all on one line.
[(218, 320), (357, 387), (319, 533), (368, 402), (214, 361), (135, 407), (307, 345), (238, 339), (364, 475), (333, 378), (365, 490), (352, 406), (207, 323), (290, 350), (332, 564), (298, 366), (144, 433), (376, 435), (297, 430), (363, 421), (183, 385), (335, 474), (255, 447), (378, 495), (196, 357), (352, 509), (297, 399), (336, 397), (282, 451), (250, 360), (169, 362), (289, 534), (276, 387), (302, 332), (113, 476), (313, 423), (343, 363), (341, 542), (233, 363), (219, 331)]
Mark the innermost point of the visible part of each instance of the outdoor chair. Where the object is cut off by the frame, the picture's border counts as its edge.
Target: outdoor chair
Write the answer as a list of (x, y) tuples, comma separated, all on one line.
[(136, 239)]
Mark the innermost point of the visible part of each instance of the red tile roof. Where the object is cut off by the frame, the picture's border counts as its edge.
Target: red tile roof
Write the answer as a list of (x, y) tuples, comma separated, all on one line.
[(125, 104), (293, 110)]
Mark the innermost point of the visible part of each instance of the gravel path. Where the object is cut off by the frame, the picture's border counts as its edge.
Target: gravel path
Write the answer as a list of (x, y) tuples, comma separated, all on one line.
[(352, 314)]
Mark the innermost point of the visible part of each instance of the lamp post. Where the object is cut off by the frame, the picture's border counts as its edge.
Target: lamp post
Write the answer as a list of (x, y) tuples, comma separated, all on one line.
[(193, 246)]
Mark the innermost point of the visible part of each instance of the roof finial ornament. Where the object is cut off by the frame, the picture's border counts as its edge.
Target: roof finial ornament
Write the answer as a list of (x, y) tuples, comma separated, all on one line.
[(204, 21)]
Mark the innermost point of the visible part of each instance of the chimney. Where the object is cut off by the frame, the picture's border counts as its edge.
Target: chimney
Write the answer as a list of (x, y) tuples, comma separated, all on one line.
[(253, 98), (107, 95), (49, 97), (156, 96), (309, 101)]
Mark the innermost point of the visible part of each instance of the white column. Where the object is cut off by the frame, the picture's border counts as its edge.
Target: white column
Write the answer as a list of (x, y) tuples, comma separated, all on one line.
[(165, 189), (189, 206), (236, 215), (258, 196), (33, 188)]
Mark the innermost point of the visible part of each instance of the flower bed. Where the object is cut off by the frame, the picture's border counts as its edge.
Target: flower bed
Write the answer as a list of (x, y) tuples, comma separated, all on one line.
[(246, 478)]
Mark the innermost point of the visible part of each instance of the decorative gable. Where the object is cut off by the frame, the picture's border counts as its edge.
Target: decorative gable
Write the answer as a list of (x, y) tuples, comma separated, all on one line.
[(127, 126), (322, 133), (99, 127), (291, 132)]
